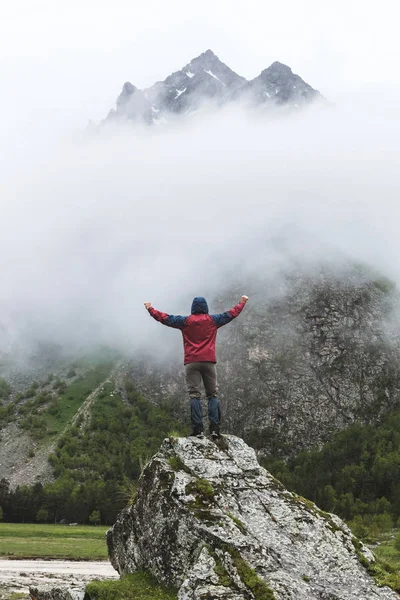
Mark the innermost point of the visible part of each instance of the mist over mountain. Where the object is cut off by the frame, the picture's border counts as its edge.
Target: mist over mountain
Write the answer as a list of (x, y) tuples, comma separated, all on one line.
[(206, 81), (96, 225)]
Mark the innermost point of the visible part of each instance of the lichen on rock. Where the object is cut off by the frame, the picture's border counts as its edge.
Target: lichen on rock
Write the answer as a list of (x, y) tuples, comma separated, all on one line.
[(212, 523)]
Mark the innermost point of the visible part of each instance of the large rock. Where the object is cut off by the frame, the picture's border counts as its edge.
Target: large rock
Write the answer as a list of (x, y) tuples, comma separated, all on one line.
[(212, 522), (52, 592)]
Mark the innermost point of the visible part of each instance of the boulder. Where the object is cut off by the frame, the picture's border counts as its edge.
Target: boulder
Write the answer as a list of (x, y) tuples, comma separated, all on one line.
[(209, 520), (51, 592)]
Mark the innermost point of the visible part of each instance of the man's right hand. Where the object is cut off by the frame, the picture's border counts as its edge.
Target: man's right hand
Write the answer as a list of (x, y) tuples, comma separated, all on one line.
[(147, 305), (244, 299)]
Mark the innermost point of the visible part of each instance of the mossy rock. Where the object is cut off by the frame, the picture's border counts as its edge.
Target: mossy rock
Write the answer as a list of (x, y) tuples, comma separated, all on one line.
[(383, 573), (251, 580), (202, 490), (241, 526), (177, 464)]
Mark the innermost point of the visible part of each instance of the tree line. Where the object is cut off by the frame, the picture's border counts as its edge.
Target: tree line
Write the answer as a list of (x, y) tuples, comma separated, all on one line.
[(95, 464), (355, 475)]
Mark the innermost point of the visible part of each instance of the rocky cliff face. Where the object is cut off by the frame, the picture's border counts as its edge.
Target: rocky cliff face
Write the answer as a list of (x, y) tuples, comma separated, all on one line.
[(310, 354), (280, 85), (207, 80), (210, 521)]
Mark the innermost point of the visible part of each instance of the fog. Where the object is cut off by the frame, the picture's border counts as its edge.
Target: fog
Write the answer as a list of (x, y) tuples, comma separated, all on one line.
[(95, 223)]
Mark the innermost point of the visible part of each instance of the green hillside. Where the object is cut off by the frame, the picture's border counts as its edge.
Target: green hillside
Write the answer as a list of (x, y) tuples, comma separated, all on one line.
[(356, 475), (46, 407), (97, 457)]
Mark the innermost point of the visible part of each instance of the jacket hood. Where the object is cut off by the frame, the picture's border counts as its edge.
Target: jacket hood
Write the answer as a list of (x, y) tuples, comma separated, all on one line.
[(199, 306)]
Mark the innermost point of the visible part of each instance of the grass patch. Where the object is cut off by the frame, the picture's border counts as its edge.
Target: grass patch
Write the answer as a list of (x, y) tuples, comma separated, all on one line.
[(203, 490), (382, 572), (137, 586), (241, 526), (21, 540), (177, 464), (316, 511), (63, 409), (5, 389), (220, 570), (250, 578), (174, 434), (387, 552), (386, 570)]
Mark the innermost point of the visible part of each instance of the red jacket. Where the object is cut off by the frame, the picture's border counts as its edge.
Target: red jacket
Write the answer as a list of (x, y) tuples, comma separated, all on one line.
[(199, 330)]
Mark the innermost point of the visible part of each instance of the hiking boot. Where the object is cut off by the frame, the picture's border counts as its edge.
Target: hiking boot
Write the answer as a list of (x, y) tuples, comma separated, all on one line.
[(214, 430), (197, 432)]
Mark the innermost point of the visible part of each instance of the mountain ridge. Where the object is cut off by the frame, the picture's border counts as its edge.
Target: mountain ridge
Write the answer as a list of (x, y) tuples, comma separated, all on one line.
[(207, 80)]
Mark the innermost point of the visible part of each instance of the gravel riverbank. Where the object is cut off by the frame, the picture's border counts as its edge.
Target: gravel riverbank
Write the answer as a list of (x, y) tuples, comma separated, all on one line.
[(18, 575)]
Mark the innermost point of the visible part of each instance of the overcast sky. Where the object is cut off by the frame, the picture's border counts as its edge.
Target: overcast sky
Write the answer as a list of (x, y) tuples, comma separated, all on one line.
[(66, 61)]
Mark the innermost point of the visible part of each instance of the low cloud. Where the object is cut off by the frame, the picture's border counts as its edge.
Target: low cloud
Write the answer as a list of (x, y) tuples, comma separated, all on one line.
[(94, 226)]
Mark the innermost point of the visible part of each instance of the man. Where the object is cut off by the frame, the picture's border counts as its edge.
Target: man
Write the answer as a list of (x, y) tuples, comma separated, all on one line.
[(199, 331)]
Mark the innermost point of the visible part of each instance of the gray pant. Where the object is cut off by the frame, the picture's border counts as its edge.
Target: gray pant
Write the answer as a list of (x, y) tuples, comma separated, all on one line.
[(197, 372)]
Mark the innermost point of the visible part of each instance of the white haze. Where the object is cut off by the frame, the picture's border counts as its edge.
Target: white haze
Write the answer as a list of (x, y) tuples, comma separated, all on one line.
[(95, 225)]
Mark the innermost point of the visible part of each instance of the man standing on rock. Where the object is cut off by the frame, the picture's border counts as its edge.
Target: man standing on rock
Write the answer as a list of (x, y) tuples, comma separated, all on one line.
[(199, 332)]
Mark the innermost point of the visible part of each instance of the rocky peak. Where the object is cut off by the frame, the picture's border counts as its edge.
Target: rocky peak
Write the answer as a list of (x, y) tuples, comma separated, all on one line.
[(133, 105), (208, 54), (204, 78), (209, 64), (280, 85), (205, 59), (278, 67), (210, 521), (127, 89)]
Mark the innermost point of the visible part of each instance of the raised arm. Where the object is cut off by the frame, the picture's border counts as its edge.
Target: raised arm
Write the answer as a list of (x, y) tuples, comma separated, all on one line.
[(226, 317), (176, 321)]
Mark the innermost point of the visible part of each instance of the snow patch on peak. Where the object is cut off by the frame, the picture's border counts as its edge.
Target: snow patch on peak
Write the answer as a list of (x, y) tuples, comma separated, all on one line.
[(215, 77), (190, 75), (179, 92)]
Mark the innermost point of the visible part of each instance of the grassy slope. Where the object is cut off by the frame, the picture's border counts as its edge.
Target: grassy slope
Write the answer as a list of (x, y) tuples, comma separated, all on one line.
[(20, 540), (386, 550), (46, 407), (68, 403)]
